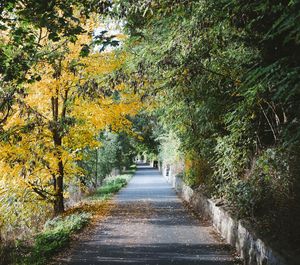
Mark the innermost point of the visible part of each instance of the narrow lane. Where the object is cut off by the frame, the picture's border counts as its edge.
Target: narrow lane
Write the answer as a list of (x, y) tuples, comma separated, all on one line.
[(150, 226)]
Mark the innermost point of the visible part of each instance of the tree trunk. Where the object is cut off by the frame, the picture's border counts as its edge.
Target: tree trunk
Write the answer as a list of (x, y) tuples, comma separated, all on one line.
[(59, 203), (59, 177), (96, 175), (59, 207)]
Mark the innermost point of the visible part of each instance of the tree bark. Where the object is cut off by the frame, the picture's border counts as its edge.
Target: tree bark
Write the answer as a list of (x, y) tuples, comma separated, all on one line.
[(96, 175), (59, 207), (58, 185)]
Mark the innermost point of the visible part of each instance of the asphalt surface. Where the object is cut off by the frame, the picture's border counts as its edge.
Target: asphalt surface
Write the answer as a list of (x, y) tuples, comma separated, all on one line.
[(150, 226)]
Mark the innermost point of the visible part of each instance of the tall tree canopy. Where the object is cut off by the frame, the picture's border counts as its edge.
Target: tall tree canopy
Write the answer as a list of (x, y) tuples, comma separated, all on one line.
[(225, 75), (52, 120), (24, 27)]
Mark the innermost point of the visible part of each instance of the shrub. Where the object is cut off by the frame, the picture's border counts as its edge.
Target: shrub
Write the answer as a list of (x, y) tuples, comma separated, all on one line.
[(197, 170), (56, 234), (265, 187)]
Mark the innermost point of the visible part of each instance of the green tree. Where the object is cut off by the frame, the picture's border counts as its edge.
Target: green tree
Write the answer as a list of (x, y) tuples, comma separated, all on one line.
[(225, 76), (116, 152)]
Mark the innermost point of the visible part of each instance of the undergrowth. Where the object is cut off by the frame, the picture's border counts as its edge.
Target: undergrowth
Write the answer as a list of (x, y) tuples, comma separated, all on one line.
[(110, 187), (56, 235), (58, 231)]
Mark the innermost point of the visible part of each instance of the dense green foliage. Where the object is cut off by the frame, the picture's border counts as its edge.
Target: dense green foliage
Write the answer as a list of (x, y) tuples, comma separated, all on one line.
[(116, 152), (226, 77), (147, 129)]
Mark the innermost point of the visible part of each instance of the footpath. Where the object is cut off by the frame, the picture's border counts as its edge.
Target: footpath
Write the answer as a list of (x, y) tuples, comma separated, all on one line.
[(150, 226)]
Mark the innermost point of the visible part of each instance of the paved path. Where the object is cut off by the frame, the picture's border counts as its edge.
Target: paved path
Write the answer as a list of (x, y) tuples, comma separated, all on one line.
[(150, 226)]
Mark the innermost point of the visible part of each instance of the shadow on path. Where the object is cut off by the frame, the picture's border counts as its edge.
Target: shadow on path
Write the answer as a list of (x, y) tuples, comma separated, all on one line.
[(150, 226), (153, 254)]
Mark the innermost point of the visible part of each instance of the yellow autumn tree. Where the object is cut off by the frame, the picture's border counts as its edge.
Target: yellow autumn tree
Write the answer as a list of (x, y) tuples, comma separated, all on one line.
[(58, 116)]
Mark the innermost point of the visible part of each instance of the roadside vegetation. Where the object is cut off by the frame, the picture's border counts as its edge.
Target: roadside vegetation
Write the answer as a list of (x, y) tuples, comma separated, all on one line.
[(64, 126), (58, 232), (210, 89), (223, 78)]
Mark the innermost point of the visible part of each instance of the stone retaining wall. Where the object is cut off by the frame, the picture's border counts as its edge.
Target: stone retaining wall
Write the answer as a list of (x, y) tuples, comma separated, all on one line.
[(251, 249)]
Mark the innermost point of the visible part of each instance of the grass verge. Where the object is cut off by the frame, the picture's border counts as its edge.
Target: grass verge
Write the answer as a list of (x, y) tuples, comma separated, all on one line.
[(110, 187), (58, 232)]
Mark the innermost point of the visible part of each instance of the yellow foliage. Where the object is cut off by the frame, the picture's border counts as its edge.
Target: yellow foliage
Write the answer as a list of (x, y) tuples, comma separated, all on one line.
[(31, 154)]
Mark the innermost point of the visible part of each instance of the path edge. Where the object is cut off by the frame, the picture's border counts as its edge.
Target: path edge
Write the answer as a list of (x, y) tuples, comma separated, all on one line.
[(252, 249)]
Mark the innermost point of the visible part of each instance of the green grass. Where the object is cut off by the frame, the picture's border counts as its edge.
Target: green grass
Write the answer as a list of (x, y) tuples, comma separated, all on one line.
[(112, 185), (55, 235), (57, 232)]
